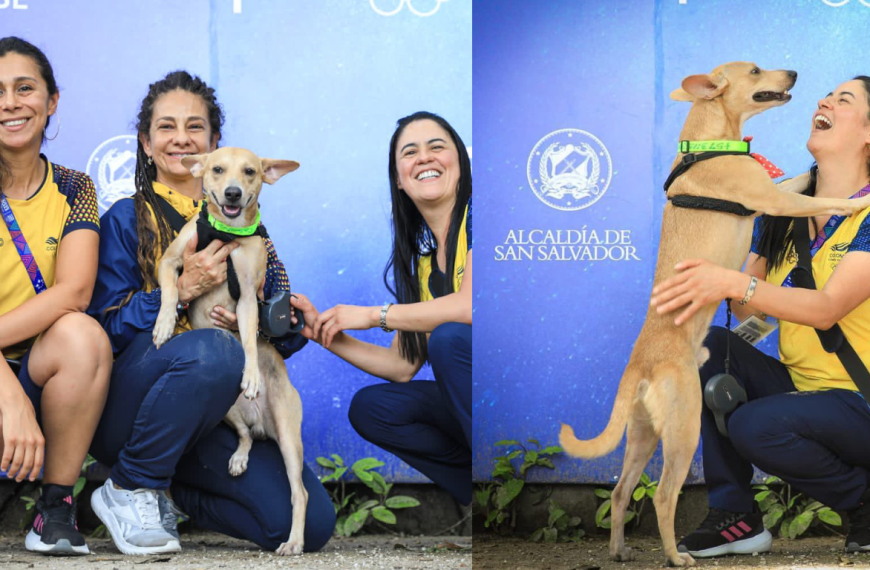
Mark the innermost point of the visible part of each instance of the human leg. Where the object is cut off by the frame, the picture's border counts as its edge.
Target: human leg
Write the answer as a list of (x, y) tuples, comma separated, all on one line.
[(412, 421), (256, 505), (450, 357), (160, 403), (731, 526), (66, 375)]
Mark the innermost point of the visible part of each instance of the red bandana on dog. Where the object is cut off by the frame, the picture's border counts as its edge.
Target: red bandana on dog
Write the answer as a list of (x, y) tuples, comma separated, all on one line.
[(770, 167)]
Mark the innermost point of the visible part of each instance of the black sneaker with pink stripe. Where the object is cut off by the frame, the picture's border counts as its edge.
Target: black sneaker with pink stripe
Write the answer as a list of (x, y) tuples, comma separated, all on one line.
[(724, 532), (54, 529)]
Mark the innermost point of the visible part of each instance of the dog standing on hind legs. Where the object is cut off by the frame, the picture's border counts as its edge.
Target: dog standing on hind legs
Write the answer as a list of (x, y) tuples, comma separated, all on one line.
[(269, 405), (659, 395)]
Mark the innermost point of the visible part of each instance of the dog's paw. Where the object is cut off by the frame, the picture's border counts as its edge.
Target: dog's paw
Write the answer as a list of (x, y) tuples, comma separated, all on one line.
[(238, 464), (622, 555), (291, 547), (251, 382), (682, 559), (163, 329)]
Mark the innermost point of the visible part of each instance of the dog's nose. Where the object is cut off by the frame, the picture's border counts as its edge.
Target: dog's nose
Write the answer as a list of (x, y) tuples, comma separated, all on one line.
[(792, 74), (233, 193)]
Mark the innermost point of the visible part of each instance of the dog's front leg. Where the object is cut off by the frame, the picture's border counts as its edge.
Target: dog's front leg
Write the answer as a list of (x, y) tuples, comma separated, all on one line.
[(794, 185), (246, 311), (167, 275), (799, 205)]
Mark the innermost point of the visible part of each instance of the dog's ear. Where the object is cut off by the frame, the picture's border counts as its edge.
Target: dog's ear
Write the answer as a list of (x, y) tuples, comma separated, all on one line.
[(275, 169), (705, 86), (680, 95), (195, 163)]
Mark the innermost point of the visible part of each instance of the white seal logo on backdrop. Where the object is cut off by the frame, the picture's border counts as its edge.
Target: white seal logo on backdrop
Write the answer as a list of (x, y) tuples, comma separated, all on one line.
[(113, 167), (569, 169), (411, 7)]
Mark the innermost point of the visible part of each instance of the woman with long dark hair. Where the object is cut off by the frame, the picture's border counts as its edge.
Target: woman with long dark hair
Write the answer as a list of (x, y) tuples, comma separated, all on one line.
[(816, 442), (426, 424), (61, 356), (161, 432)]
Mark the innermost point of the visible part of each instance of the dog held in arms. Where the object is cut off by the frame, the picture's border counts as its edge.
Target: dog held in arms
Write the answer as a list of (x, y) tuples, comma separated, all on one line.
[(269, 405), (659, 395)]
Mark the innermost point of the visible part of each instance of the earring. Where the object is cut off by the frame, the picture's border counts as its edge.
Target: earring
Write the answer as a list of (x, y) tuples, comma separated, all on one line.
[(149, 161), (56, 133)]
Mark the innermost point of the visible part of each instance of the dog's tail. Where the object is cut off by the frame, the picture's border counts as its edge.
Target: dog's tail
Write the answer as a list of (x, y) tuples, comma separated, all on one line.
[(631, 388)]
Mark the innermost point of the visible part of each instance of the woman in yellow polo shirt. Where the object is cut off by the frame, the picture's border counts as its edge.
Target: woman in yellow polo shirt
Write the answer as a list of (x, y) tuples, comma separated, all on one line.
[(426, 424), (817, 442), (49, 239)]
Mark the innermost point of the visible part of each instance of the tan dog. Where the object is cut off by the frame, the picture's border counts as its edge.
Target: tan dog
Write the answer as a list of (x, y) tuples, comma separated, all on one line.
[(659, 395), (270, 405)]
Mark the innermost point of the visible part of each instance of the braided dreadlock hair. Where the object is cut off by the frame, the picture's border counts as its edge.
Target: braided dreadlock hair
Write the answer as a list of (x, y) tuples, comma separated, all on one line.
[(151, 237)]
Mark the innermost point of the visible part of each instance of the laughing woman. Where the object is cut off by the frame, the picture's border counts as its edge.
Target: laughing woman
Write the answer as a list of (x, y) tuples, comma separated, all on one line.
[(161, 432), (47, 271), (427, 424)]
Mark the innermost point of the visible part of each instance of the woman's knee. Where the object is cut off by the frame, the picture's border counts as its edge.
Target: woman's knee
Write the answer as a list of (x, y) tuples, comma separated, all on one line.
[(448, 340), (363, 409), (75, 342), (216, 358)]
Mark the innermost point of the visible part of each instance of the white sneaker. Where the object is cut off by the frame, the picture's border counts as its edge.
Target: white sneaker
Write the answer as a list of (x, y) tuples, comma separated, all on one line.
[(133, 520)]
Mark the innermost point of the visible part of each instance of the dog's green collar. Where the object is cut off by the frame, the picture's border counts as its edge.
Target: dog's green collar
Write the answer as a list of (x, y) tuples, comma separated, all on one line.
[(714, 146), (222, 227)]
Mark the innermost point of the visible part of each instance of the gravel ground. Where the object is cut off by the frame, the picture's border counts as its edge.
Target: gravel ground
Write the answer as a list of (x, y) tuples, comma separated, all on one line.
[(592, 554), (203, 550)]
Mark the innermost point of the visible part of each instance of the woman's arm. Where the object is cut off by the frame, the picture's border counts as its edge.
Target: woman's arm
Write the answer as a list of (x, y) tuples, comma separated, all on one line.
[(380, 361), (23, 442), (411, 317), (75, 273), (701, 282)]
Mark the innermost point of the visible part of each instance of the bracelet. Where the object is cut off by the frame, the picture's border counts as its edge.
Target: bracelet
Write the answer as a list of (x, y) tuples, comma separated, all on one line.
[(384, 310), (181, 307), (750, 291)]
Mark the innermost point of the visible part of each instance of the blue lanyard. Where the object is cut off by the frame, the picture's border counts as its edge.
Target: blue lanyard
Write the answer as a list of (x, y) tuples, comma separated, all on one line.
[(21, 245)]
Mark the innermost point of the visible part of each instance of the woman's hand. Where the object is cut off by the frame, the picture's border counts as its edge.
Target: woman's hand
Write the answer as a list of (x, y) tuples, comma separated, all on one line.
[(23, 442), (696, 284), (203, 270), (344, 317), (226, 319), (301, 303)]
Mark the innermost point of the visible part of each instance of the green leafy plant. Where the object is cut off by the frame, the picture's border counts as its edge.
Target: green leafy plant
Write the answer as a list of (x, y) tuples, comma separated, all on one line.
[(31, 496), (352, 511), (794, 512), (498, 499), (561, 527), (645, 491)]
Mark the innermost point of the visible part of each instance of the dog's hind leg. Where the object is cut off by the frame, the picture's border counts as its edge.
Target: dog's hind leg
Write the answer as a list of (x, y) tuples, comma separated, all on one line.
[(286, 411), (640, 444), (680, 397), (239, 459)]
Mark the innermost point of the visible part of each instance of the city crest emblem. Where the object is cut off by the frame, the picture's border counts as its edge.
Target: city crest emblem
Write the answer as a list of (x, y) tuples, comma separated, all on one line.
[(112, 166), (569, 169)]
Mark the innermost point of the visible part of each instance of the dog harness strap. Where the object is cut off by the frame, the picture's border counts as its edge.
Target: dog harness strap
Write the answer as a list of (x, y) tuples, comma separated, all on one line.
[(714, 204), (206, 232), (833, 339), (690, 159), (21, 245)]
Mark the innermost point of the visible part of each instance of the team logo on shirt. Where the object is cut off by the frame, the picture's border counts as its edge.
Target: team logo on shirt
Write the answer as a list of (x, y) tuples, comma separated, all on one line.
[(1, 242), (113, 167), (51, 244), (569, 169)]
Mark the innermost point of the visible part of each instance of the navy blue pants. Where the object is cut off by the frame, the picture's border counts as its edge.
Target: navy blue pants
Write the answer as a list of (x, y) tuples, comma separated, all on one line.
[(162, 424), (818, 442), (427, 424)]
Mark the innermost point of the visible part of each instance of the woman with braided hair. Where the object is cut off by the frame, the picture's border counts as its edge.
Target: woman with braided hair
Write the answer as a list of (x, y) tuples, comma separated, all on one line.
[(161, 431)]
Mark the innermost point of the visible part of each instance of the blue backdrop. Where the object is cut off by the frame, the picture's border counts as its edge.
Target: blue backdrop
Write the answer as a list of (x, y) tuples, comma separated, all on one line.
[(320, 82), (571, 99)]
